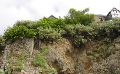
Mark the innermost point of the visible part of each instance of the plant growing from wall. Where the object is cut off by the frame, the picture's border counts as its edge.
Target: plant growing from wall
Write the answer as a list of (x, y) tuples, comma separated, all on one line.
[(15, 63), (40, 61)]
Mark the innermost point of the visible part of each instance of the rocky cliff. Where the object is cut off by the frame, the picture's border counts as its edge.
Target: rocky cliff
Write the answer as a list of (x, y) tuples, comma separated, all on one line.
[(95, 57)]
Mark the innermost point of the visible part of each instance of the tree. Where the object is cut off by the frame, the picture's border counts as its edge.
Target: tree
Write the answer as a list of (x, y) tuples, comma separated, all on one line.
[(79, 17)]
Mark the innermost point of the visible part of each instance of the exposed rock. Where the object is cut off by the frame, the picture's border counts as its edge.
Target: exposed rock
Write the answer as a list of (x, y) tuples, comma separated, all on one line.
[(66, 59), (17, 54), (60, 56), (110, 65)]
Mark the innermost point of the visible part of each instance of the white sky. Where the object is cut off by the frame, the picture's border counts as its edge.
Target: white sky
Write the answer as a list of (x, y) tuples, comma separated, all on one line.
[(13, 10)]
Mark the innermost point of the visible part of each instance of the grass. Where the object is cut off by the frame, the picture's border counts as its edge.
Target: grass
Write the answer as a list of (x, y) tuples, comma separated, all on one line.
[(40, 61)]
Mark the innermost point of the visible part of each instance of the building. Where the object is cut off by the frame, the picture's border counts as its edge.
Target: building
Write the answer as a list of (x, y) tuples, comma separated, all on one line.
[(114, 13)]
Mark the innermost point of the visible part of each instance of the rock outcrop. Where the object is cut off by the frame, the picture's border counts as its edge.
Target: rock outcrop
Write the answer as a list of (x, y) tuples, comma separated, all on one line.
[(96, 57)]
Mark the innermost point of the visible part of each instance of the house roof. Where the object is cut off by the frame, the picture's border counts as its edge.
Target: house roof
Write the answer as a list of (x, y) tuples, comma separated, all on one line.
[(114, 13), (52, 17)]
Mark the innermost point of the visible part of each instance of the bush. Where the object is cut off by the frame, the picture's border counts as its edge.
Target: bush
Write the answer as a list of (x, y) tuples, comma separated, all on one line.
[(80, 30), (79, 41), (2, 44), (51, 29), (106, 30), (48, 24), (48, 34), (51, 23), (1, 40), (85, 31), (39, 60), (70, 30), (18, 32), (26, 23), (116, 21), (78, 34)]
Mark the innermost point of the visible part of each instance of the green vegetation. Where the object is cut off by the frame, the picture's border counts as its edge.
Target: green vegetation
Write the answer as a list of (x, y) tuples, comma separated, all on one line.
[(2, 44), (79, 41), (78, 26), (26, 23), (15, 62), (18, 32), (1, 71), (106, 30), (79, 34), (79, 17), (103, 51), (1, 40), (39, 61), (50, 22), (48, 34)]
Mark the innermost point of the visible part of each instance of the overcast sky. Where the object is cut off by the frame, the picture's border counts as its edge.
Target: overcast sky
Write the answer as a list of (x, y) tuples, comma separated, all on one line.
[(13, 10)]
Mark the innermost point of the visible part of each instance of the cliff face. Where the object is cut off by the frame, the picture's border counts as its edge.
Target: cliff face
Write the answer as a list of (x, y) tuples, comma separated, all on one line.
[(96, 57), (18, 56), (111, 64)]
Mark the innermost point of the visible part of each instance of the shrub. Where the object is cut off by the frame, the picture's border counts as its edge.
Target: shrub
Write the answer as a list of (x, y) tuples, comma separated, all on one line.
[(48, 34), (1, 40), (49, 22), (70, 30), (18, 32), (102, 51), (59, 23), (106, 30), (35, 25), (79, 41), (39, 60), (26, 23), (85, 31), (2, 44), (116, 21), (78, 34)]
